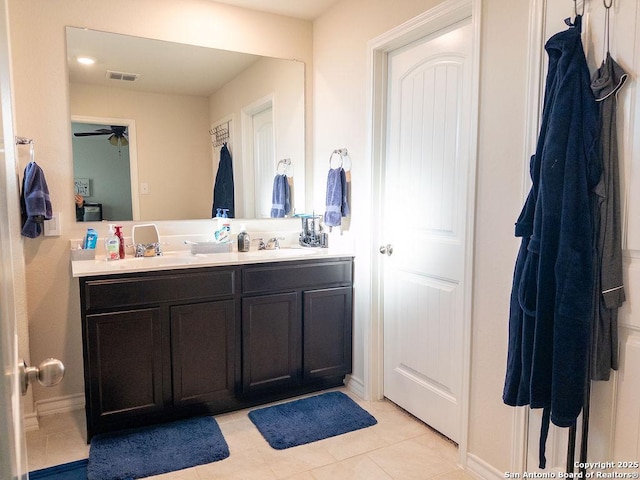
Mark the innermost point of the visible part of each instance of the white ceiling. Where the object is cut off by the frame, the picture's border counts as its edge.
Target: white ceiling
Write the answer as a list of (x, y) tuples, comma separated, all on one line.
[(307, 9)]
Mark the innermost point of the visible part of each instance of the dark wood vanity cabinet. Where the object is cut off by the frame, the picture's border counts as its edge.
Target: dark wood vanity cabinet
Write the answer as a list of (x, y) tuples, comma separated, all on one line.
[(296, 325), (169, 344), (158, 345)]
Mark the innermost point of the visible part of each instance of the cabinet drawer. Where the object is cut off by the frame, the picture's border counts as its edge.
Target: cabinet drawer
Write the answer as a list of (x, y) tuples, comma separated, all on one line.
[(290, 276), (111, 293)]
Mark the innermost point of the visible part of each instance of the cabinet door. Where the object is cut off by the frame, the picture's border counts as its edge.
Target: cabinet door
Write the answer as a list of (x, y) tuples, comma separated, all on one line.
[(124, 365), (327, 332), (271, 342), (202, 348)]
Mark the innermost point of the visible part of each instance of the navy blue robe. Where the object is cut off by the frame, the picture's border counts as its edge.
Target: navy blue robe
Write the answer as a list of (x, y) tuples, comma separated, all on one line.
[(223, 190), (551, 299)]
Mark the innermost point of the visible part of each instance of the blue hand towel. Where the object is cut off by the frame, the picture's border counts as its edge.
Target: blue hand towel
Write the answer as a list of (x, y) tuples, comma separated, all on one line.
[(337, 206), (281, 197), (35, 201)]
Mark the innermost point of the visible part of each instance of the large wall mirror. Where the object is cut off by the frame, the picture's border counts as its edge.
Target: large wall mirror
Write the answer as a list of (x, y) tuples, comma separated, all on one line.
[(163, 100)]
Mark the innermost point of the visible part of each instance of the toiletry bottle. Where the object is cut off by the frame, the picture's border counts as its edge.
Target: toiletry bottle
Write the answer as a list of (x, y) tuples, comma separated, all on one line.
[(223, 229), (243, 239), (226, 223), (121, 238), (91, 239), (112, 245)]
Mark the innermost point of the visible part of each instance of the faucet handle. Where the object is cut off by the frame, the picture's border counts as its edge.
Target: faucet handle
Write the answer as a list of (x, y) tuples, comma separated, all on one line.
[(261, 244)]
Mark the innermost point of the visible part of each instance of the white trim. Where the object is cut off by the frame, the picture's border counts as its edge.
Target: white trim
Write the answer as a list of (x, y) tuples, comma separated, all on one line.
[(482, 469), (52, 406), (133, 153), (30, 422), (433, 20), (534, 88), (355, 385)]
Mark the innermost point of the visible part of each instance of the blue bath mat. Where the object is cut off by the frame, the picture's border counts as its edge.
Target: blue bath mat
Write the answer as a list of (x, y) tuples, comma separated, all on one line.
[(67, 471), (148, 451), (310, 419)]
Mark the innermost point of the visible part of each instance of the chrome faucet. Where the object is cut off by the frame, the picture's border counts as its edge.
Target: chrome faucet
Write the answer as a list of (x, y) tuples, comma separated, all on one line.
[(273, 243)]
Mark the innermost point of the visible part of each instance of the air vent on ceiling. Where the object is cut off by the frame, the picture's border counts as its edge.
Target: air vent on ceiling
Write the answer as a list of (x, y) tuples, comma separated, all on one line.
[(127, 77)]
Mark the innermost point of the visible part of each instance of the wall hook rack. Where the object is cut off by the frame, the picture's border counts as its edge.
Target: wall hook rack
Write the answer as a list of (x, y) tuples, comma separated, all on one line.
[(219, 134)]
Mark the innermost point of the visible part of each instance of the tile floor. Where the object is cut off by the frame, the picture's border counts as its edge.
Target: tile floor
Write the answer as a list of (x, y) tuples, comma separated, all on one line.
[(399, 447)]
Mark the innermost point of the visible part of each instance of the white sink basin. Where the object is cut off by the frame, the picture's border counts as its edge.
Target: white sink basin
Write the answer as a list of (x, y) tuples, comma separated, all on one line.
[(279, 253), (181, 258)]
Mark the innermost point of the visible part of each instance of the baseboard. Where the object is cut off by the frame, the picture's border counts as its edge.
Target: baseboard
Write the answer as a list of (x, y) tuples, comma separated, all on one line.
[(30, 422), (51, 406), (481, 469), (355, 385)]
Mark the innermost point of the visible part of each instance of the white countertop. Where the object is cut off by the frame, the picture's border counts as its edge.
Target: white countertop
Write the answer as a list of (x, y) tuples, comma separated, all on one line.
[(184, 259)]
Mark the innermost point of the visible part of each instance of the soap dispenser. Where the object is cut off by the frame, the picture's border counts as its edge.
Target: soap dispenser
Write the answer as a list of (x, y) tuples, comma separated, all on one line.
[(243, 239), (112, 244)]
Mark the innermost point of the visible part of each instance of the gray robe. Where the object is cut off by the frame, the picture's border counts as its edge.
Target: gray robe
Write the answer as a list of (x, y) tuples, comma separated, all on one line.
[(609, 290)]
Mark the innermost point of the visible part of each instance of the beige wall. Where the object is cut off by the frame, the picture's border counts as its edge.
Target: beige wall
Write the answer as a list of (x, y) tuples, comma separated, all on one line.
[(42, 113), (340, 119)]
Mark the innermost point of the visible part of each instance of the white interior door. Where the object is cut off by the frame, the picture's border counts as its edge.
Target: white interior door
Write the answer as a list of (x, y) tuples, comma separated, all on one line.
[(13, 463), (425, 200), (264, 160)]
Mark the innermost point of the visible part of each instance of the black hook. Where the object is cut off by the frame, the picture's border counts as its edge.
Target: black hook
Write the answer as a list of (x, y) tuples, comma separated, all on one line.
[(605, 4), (575, 7)]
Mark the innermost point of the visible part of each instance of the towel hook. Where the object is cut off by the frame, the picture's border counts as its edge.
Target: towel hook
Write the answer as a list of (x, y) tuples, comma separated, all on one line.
[(575, 7), (605, 45)]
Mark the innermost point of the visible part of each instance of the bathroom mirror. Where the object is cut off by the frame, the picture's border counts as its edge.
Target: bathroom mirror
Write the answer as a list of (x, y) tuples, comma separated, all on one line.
[(171, 96)]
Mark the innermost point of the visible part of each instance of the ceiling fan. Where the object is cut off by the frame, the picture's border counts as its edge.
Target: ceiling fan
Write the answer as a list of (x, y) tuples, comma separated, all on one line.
[(117, 134)]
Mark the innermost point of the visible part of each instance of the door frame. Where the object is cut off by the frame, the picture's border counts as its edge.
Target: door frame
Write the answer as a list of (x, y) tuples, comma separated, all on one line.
[(133, 152), (445, 14)]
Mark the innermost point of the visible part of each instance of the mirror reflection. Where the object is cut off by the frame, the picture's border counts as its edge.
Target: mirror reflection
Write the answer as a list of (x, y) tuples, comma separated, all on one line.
[(170, 98)]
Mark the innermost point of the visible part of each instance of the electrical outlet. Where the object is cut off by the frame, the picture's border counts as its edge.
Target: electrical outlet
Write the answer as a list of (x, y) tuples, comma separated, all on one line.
[(144, 188)]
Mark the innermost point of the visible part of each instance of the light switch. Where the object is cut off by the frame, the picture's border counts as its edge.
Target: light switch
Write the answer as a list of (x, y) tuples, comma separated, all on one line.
[(52, 227), (144, 188)]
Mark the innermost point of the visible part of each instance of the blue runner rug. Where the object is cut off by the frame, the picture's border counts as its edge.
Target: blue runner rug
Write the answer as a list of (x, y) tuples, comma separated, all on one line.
[(67, 471), (310, 419), (148, 451)]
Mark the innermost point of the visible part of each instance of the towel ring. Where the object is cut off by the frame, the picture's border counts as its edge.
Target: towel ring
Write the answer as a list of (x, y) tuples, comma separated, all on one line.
[(287, 167), (345, 160)]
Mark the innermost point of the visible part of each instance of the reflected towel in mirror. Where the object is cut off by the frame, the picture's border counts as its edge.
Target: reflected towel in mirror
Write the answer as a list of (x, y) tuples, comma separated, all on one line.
[(281, 197)]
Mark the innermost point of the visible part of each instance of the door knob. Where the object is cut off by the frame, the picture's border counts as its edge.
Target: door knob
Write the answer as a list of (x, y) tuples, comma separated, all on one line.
[(386, 249), (49, 373)]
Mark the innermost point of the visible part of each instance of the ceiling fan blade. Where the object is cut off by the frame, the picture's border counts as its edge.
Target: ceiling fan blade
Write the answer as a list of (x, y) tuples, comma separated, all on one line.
[(101, 131)]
